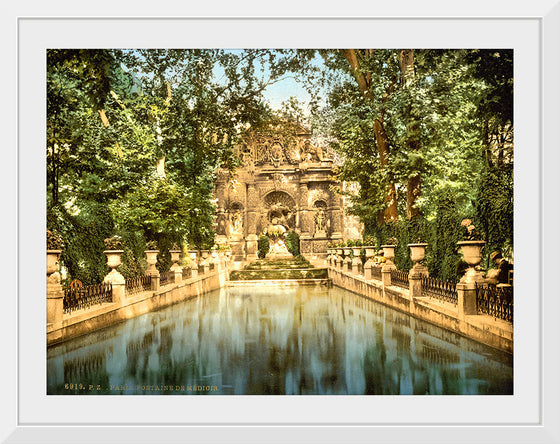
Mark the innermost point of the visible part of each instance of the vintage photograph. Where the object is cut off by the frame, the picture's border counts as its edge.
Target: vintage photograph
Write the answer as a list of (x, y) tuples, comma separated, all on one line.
[(280, 221)]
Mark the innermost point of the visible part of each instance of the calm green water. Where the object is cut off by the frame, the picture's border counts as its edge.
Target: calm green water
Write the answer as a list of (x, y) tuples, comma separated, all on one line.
[(278, 340)]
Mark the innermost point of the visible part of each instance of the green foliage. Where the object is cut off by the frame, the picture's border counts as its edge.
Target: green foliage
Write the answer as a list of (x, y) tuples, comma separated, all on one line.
[(292, 243), (263, 245), (83, 256), (494, 207)]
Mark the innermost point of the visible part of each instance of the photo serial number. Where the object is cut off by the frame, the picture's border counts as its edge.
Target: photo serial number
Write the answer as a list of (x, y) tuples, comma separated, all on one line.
[(140, 388)]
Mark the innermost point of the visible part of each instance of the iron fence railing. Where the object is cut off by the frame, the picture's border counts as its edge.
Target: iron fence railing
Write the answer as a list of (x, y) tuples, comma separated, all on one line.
[(166, 278), (79, 298), (496, 301), (376, 273), (442, 290), (399, 278), (138, 284)]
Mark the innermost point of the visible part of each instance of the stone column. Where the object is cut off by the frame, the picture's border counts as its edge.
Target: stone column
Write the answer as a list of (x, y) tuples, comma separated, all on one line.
[(252, 238), (55, 294), (152, 271), (466, 300), (337, 217)]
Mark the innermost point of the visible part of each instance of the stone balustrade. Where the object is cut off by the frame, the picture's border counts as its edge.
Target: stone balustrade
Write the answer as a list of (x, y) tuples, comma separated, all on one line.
[(451, 306)]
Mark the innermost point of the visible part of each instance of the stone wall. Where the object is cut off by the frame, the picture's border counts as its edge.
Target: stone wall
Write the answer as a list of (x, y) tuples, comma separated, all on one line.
[(493, 332), (85, 321)]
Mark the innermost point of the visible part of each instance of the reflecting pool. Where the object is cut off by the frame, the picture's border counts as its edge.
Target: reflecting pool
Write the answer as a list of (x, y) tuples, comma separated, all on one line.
[(277, 340)]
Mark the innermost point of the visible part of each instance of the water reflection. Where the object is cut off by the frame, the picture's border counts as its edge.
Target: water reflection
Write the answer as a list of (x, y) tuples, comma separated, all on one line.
[(277, 341)]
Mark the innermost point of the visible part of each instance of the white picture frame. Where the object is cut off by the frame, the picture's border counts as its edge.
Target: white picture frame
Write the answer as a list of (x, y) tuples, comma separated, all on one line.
[(531, 415)]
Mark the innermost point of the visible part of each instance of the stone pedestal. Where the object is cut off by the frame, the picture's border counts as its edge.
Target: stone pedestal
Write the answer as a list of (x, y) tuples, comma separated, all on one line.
[(252, 247), (152, 271), (176, 268), (415, 284), (194, 269), (368, 266), (466, 300), (55, 293), (114, 277), (386, 273)]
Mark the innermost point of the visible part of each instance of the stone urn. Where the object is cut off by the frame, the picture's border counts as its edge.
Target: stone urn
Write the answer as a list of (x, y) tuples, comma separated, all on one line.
[(370, 251), (389, 253), (113, 258), (52, 261), (417, 253), (193, 254), (151, 258), (175, 254), (113, 262), (472, 254)]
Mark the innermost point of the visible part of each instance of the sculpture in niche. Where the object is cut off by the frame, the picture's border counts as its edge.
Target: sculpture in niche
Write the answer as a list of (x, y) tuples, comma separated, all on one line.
[(321, 220), (237, 221)]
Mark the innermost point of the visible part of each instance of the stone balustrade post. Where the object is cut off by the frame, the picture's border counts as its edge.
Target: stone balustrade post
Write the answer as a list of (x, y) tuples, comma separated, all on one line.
[(152, 271), (414, 284), (114, 278), (176, 268), (466, 300), (55, 293), (194, 269), (356, 265), (193, 255), (368, 266), (386, 274)]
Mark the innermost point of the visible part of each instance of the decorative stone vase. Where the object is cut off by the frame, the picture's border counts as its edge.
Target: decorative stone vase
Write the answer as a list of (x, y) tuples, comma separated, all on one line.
[(472, 254), (113, 262), (347, 251), (151, 258), (370, 251), (193, 254), (175, 254), (417, 253), (389, 253), (113, 258)]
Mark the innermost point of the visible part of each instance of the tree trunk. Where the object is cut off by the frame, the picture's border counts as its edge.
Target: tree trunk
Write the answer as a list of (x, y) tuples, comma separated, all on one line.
[(413, 185), (391, 212), (364, 82)]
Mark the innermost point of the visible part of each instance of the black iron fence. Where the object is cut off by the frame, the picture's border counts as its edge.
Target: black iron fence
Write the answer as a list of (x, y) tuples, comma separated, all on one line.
[(495, 301), (443, 290), (376, 273), (167, 278), (399, 278), (79, 298), (138, 284)]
